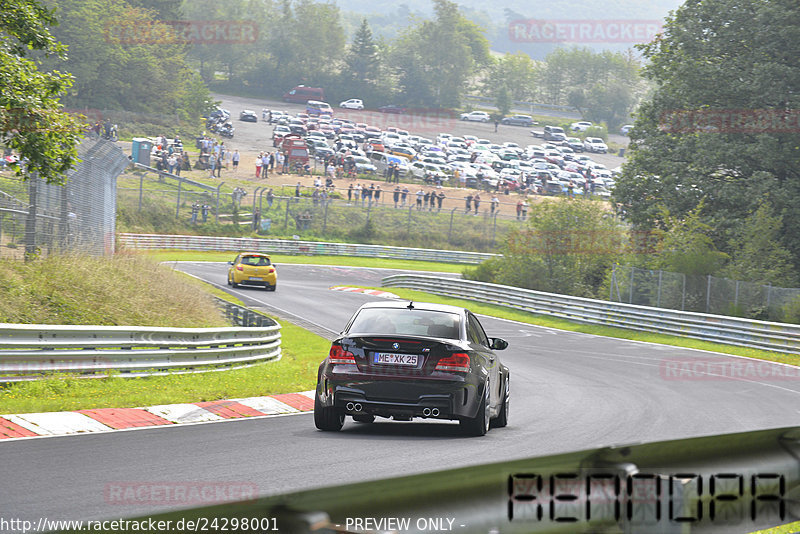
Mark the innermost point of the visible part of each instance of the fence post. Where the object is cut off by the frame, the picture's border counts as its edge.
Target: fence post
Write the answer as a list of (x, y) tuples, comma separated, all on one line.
[(658, 300), (611, 284), (683, 295), (63, 221), (216, 214), (30, 220), (325, 216), (450, 231), (408, 224), (630, 290), (178, 203), (708, 293), (286, 218), (736, 297), (141, 188)]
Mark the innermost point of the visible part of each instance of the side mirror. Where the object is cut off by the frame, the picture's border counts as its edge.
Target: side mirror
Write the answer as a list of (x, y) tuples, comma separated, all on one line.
[(230, 263), (498, 344)]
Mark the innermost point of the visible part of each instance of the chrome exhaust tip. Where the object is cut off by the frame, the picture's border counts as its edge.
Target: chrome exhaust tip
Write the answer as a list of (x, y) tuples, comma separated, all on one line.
[(435, 412), (426, 412), (357, 406), (349, 406)]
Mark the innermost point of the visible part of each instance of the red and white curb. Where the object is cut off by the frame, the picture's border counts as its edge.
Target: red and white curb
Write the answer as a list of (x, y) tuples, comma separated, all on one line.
[(29, 425), (373, 292)]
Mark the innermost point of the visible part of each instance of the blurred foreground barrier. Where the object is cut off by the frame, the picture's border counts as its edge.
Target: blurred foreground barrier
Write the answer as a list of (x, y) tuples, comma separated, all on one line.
[(716, 484), (285, 246), (779, 337)]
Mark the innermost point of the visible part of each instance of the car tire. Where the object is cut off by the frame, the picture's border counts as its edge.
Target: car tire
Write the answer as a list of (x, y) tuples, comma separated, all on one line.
[(479, 425), (364, 418), (272, 287), (327, 418), (502, 418), (233, 284)]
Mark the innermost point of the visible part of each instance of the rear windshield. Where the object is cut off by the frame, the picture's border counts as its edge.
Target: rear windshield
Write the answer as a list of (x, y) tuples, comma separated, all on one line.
[(405, 321), (255, 260)]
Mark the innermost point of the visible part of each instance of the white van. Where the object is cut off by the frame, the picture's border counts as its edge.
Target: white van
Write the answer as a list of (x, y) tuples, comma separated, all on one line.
[(315, 108)]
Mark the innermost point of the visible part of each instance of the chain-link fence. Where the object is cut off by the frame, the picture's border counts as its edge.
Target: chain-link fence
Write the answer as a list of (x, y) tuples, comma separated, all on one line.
[(703, 294), (80, 216)]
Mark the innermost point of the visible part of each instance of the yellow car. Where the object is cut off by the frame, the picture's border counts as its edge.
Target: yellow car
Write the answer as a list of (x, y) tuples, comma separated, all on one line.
[(252, 268)]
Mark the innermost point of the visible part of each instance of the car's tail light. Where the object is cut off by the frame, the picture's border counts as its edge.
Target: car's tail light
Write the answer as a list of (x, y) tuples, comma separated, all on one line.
[(458, 361), (271, 270), (239, 268), (339, 355)]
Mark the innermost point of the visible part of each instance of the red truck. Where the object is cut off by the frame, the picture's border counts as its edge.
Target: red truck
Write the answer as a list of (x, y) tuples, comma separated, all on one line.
[(295, 151)]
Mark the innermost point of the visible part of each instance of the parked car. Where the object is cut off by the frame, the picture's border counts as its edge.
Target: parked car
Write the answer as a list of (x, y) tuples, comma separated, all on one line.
[(392, 108), (353, 103), (404, 360), (626, 129), (574, 143), (476, 116), (518, 120), (595, 144), (252, 268), (580, 126), (247, 115), (554, 134)]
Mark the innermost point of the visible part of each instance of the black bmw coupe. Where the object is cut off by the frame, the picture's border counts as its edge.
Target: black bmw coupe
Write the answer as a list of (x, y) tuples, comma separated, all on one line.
[(403, 360)]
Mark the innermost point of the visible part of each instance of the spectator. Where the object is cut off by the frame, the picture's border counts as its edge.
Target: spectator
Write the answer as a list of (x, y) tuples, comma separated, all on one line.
[(420, 195), (495, 204), (259, 163), (195, 210), (235, 158), (439, 200), (396, 195), (468, 203), (204, 209), (270, 198), (403, 195), (476, 201)]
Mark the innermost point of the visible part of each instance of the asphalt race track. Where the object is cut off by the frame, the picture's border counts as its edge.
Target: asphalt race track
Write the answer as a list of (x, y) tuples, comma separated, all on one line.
[(569, 392)]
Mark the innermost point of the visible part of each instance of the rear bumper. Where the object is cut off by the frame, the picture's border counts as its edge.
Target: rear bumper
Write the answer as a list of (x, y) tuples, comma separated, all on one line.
[(401, 398)]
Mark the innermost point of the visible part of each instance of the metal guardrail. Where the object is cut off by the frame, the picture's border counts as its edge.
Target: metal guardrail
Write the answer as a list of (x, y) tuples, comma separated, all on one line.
[(715, 484), (179, 179), (31, 351), (310, 248), (778, 337)]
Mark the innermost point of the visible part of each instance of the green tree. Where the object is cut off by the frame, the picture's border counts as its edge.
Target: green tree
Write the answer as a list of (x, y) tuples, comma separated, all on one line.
[(686, 246), (435, 59), (362, 59), (502, 101), (516, 72), (716, 68), (32, 120), (758, 255), (567, 247), (604, 86)]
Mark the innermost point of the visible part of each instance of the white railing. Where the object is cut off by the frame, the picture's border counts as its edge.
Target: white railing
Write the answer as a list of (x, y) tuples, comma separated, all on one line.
[(294, 247), (30, 351), (779, 337)]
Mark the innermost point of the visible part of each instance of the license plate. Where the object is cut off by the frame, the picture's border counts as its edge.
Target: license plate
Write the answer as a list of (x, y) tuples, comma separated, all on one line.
[(395, 359), (256, 278)]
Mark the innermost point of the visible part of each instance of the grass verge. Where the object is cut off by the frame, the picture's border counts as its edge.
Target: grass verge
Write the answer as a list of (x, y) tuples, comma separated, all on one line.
[(788, 528), (599, 330), (295, 371)]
